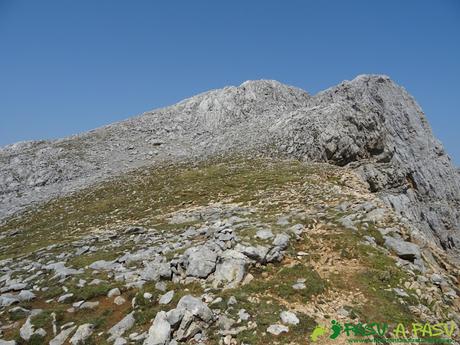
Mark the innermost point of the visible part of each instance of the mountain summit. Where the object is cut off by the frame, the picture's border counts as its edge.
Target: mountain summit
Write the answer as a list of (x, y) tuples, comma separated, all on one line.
[(369, 123)]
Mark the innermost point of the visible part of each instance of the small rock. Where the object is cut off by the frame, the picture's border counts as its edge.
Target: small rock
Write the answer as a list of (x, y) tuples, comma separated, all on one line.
[(348, 223), (277, 329), (174, 316), (61, 271), (283, 221), (281, 241), (77, 304), (342, 312), (166, 298), (153, 271), (231, 270), (217, 300), (138, 337), (135, 230), (257, 253), (67, 325), (89, 305), (289, 318), (13, 287), (188, 327), (228, 339), (436, 279), (119, 300), (243, 315), (232, 300), (299, 286), (62, 298), (297, 229), (161, 286), (25, 296), (400, 292), (82, 334), (225, 323), (27, 330), (114, 292), (102, 265), (264, 234), (7, 299), (62, 337)]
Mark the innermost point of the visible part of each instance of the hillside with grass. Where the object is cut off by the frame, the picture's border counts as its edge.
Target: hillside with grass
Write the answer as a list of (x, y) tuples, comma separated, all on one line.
[(231, 250)]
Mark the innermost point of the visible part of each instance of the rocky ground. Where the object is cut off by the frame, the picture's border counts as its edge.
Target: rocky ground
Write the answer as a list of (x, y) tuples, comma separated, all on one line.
[(227, 251)]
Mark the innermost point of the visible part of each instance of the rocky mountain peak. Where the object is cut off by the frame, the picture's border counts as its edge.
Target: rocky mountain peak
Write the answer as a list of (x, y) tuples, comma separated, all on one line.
[(369, 123)]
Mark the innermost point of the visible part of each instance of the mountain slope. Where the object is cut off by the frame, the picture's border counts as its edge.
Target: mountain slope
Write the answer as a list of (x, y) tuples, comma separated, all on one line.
[(235, 250), (369, 124)]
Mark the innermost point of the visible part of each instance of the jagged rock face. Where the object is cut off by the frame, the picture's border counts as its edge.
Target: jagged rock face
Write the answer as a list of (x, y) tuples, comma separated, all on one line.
[(377, 127), (369, 123)]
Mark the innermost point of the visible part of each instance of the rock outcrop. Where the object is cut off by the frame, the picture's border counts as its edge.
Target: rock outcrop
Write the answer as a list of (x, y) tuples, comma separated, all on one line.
[(370, 124), (375, 126)]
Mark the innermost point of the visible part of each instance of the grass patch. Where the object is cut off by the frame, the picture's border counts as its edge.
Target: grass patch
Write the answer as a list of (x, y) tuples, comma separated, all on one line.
[(383, 306), (142, 196), (42, 320), (89, 292), (266, 309), (82, 261), (376, 280)]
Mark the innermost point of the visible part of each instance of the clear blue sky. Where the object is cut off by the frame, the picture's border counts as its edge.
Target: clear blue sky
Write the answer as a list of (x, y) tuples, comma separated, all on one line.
[(69, 66)]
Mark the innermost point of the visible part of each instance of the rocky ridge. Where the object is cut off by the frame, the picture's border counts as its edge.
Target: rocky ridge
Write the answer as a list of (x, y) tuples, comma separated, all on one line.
[(369, 124)]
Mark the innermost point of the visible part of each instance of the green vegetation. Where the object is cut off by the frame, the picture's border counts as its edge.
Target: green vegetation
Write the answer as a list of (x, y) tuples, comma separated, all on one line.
[(42, 320), (279, 283), (89, 292), (82, 261), (376, 278), (144, 196), (36, 339)]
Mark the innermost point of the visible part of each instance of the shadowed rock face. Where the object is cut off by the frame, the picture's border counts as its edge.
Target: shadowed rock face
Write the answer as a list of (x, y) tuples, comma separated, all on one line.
[(369, 123)]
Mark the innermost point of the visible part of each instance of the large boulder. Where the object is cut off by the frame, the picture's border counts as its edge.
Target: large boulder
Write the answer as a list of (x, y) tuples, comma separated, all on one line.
[(160, 331), (200, 261), (231, 269), (405, 250), (121, 327), (196, 307)]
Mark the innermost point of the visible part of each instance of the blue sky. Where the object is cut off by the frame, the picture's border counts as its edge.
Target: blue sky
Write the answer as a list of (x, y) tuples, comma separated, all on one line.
[(69, 66)]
